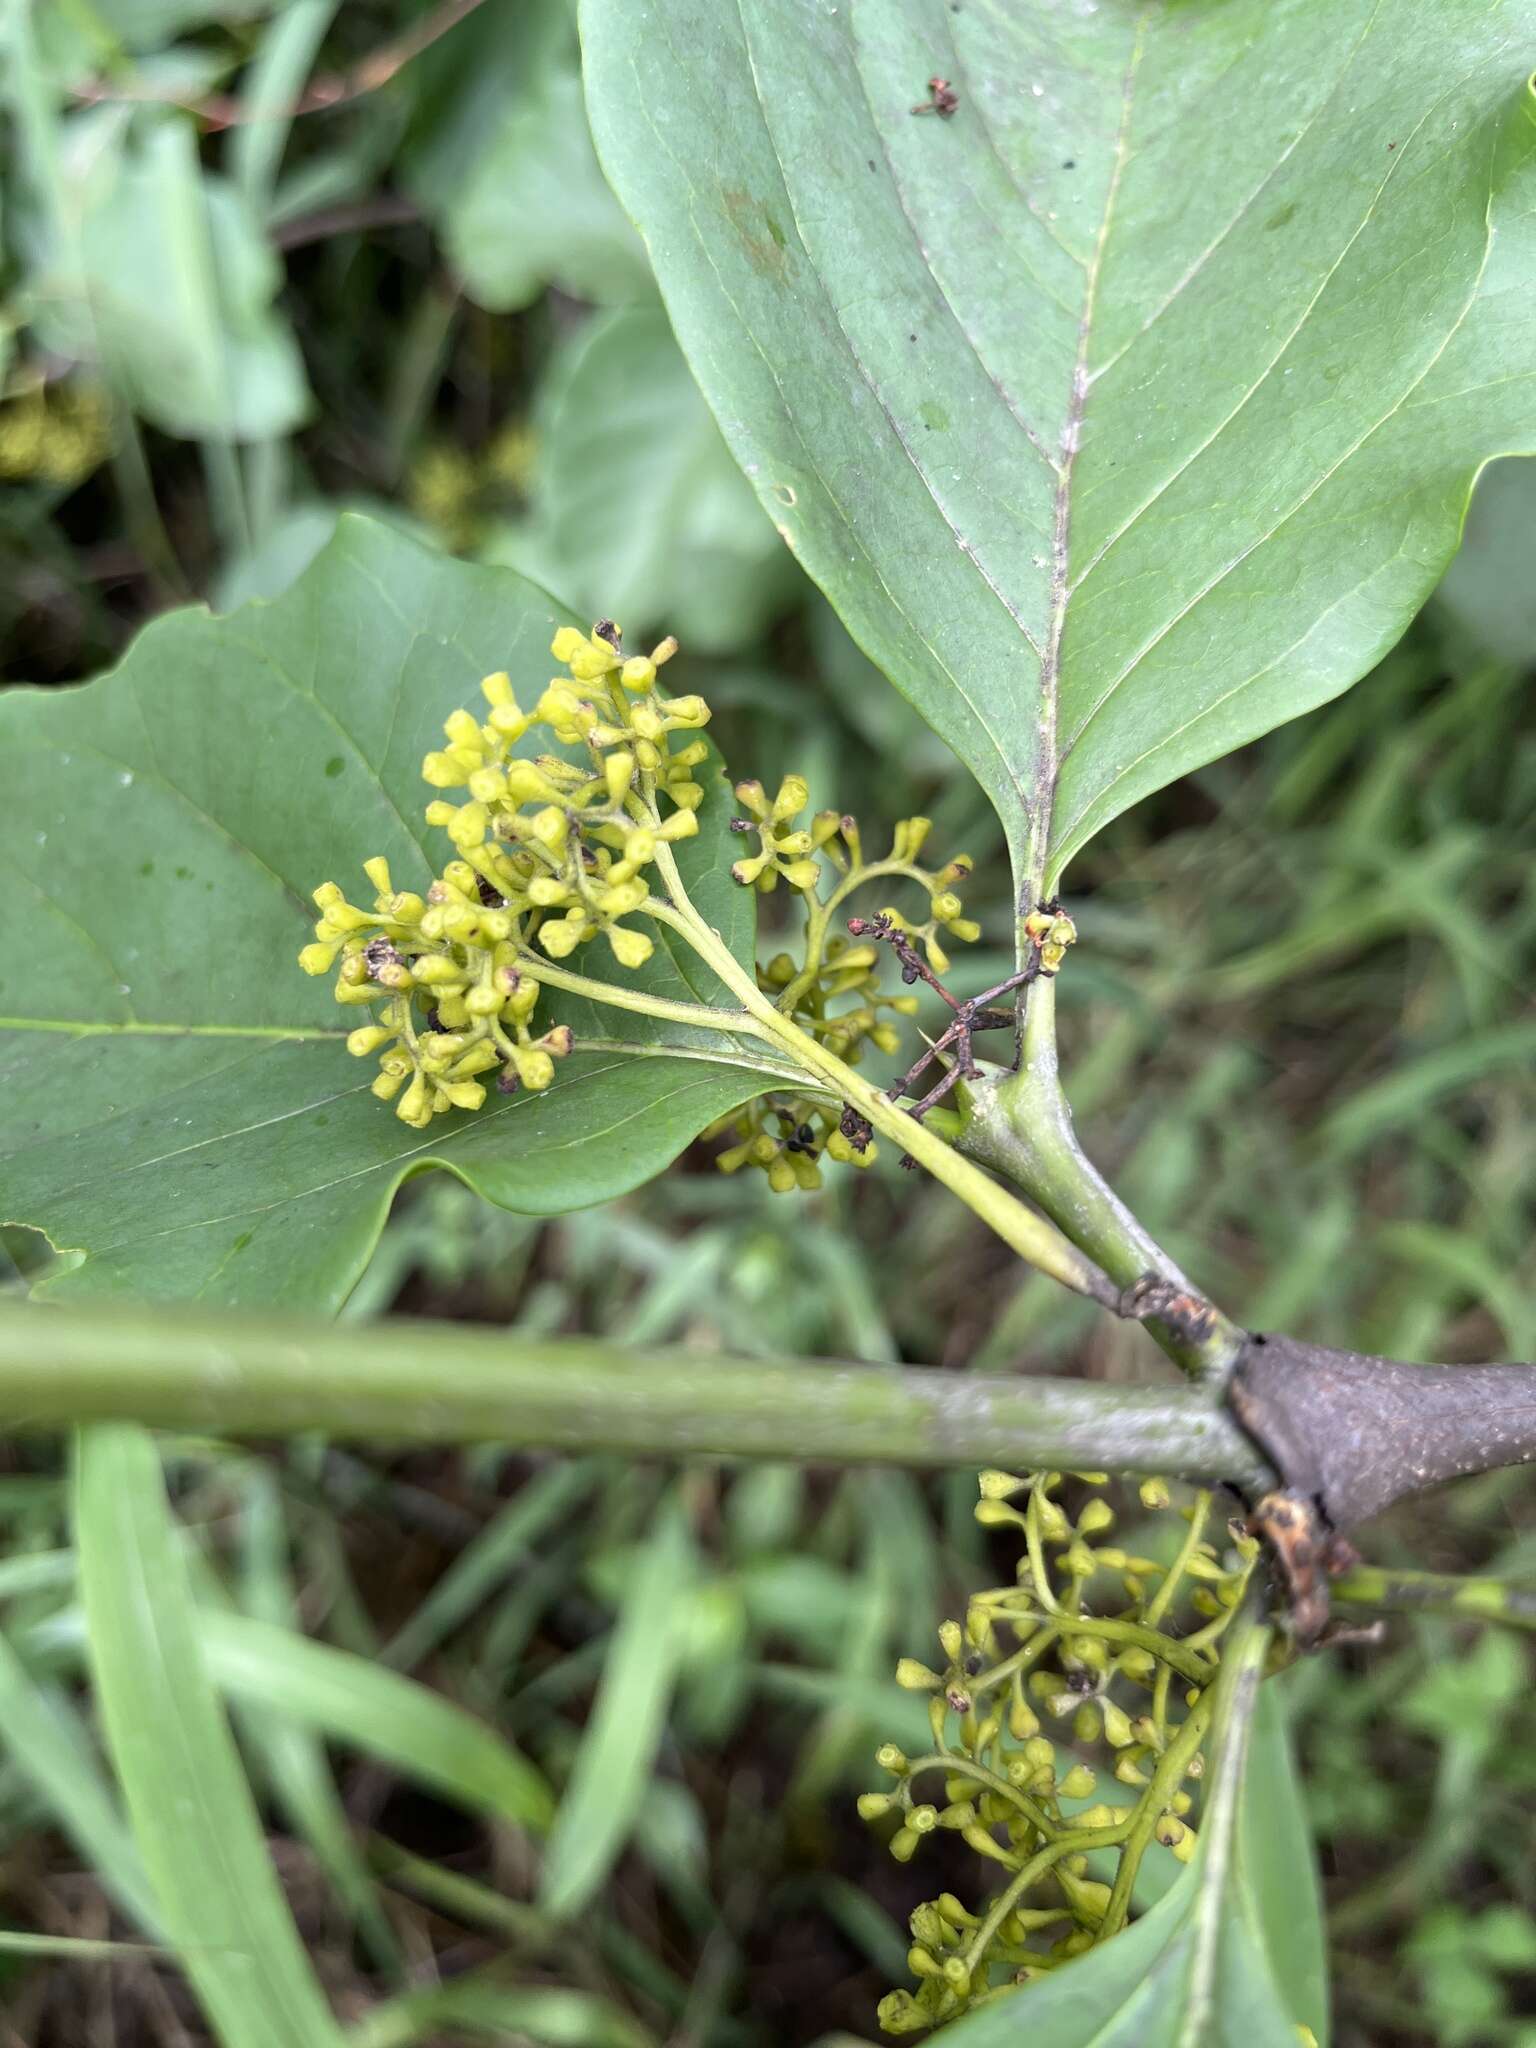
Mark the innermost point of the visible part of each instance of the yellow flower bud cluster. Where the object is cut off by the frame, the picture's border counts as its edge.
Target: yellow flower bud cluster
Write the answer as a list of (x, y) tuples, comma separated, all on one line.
[(568, 841), (1052, 931), (833, 991), (1129, 1681), (786, 1137), (796, 851), (55, 433), (784, 848), (549, 853), (458, 997)]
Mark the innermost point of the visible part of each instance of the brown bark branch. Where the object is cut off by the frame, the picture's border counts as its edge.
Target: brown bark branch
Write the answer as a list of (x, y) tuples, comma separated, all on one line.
[(1352, 1434)]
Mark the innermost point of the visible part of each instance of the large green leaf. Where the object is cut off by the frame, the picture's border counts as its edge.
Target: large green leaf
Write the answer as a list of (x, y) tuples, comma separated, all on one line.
[(1233, 1953), (503, 161), (161, 274), (177, 1099), (637, 505), (1133, 407)]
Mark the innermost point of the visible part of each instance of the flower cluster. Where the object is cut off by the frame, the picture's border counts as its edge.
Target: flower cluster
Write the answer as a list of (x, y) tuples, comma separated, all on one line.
[(1120, 1683), (551, 851), (786, 1136), (832, 991)]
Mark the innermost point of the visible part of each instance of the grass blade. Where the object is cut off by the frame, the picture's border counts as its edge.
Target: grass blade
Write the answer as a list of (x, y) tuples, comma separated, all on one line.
[(188, 1800), (422, 1734), (613, 1764), (41, 1733), (480, 2004)]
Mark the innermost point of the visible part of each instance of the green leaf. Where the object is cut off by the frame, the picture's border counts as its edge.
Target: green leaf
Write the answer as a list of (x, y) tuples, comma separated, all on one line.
[(39, 1731), (637, 499), (504, 162), (177, 1099), (417, 1731), (1491, 585), (188, 1800), (1232, 1953), (1130, 410), (165, 279), (613, 1764)]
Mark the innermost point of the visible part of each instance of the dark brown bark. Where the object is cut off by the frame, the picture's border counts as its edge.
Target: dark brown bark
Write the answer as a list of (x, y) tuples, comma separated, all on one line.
[(1352, 1433)]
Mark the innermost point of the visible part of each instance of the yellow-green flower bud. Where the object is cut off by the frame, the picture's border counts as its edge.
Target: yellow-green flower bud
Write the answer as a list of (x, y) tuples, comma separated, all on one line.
[(317, 958), (1086, 1723), (996, 1514), (629, 947), (1117, 1724), (366, 1039), (888, 1757), (1078, 1783), (916, 1677), (488, 785), (875, 1805), (995, 1485), (899, 2012), (978, 1839)]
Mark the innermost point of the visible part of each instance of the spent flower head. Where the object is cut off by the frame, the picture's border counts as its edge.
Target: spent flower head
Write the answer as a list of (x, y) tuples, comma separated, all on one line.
[(1096, 1644)]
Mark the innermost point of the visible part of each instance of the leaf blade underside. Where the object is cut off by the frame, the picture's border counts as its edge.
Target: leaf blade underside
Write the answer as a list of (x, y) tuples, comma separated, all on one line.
[(1132, 408)]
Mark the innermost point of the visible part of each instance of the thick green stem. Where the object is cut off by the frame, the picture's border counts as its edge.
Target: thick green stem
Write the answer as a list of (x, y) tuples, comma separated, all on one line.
[(1021, 1126), (1406, 1592), (240, 1374), (1028, 1234)]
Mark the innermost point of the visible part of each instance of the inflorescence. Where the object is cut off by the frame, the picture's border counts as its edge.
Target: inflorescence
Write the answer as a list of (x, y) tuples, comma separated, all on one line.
[(1127, 1683), (832, 989), (555, 850), (551, 852)]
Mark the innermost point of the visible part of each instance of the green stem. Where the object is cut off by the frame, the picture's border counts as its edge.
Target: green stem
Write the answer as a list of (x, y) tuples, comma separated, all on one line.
[(1157, 1606), (1176, 1655), (1166, 1780), (615, 996), (1407, 1592), (1028, 1234), (955, 1765), (1038, 1864), (1021, 1126), (247, 1374)]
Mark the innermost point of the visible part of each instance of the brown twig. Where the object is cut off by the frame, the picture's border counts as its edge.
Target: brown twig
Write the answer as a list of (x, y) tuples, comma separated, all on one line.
[(383, 210), (218, 111), (969, 1018)]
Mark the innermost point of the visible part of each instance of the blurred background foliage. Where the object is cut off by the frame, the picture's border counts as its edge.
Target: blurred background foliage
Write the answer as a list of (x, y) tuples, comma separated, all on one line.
[(262, 264)]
